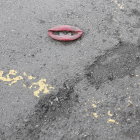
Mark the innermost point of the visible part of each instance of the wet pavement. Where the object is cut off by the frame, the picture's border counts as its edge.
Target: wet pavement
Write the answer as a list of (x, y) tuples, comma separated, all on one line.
[(87, 89)]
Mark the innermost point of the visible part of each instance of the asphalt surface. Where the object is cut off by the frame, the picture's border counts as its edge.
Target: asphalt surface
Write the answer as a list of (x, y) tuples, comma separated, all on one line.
[(87, 89)]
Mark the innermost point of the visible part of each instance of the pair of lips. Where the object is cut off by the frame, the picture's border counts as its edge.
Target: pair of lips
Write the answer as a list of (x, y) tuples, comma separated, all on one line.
[(77, 33)]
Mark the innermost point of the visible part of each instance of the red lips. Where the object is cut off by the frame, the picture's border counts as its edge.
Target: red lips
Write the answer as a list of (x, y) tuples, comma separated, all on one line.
[(77, 33)]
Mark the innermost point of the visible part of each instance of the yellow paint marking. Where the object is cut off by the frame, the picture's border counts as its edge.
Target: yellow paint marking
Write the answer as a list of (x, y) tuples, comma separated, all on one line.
[(94, 105), (95, 115), (109, 113), (8, 78), (43, 87), (12, 72), (12, 78), (112, 121), (29, 76)]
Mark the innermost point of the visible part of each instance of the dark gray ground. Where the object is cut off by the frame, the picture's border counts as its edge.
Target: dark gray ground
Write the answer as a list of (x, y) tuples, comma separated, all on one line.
[(96, 78)]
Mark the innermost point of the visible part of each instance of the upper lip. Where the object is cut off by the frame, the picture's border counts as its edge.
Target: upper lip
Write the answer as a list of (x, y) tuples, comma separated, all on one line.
[(65, 28)]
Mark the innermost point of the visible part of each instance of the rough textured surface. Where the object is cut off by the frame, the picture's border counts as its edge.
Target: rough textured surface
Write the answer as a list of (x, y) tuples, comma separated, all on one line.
[(96, 78), (118, 62)]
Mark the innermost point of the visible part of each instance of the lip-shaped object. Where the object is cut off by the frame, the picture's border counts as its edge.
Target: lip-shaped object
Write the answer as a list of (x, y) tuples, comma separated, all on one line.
[(62, 28)]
